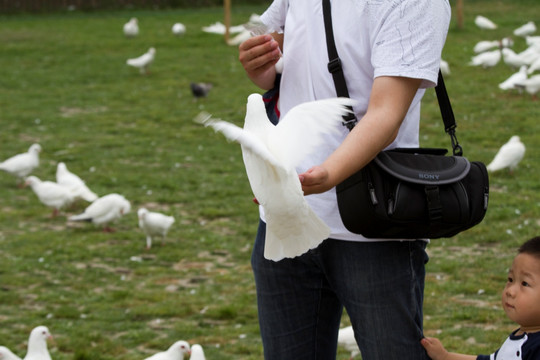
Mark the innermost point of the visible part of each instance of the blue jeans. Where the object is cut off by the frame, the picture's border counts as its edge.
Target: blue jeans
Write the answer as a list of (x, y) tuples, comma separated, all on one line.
[(380, 284)]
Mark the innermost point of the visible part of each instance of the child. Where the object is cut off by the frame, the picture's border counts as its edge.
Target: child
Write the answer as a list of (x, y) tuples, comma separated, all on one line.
[(521, 302)]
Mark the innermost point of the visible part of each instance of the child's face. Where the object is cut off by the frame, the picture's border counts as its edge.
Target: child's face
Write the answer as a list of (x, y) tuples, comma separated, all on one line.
[(521, 295)]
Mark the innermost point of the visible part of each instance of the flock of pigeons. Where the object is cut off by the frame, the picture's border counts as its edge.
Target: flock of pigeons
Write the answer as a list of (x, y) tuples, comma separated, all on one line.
[(69, 188), (489, 53), (37, 349), (260, 158)]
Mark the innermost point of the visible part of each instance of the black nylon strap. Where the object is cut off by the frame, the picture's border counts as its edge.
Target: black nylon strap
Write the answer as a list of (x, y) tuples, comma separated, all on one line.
[(334, 64), (335, 68)]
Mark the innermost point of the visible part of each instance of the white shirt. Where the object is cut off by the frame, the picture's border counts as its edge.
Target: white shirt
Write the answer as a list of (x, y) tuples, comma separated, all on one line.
[(373, 38)]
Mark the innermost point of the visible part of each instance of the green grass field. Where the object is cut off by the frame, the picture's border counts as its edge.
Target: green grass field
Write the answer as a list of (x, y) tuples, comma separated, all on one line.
[(65, 84)]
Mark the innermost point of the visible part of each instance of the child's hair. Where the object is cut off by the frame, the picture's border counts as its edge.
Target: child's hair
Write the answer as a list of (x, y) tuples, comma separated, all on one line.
[(531, 247)]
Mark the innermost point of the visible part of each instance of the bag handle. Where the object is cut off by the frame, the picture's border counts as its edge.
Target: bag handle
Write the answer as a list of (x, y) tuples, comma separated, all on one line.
[(349, 120)]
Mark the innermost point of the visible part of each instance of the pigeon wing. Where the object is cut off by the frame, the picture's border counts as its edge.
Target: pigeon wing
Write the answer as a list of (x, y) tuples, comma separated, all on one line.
[(303, 129)]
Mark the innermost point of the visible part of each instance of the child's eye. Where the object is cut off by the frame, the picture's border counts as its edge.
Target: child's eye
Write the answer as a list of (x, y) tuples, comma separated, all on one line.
[(524, 283), (510, 279)]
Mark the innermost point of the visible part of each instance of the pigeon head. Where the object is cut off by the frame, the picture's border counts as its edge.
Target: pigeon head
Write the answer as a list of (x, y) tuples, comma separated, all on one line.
[(38, 339), (31, 181), (180, 347), (125, 207), (141, 213), (35, 149)]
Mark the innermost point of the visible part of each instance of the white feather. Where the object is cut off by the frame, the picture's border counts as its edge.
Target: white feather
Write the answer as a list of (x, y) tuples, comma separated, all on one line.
[(154, 224), (6, 354), (508, 156), (143, 62), (486, 59), (37, 344), (175, 352), (484, 23), (197, 352), (50, 193), (131, 28), (22, 165), (73, 182), (104, 210), (271, 154), (514, 79), (526, 29), (347, 340)]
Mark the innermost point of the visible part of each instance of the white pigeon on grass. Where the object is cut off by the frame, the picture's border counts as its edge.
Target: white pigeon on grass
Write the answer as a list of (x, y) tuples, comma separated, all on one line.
[(131, 28), (22, 165), (486, 59), (154, 224), (271, 154), (73, 182), (346, 339), (444, 67), (486, 45), (514, 79), (525, 29), (508, 156), (175, 352), (37, 344), (104, 211), (143, 62), (512, 59), (197, 352), (6, 354), (50, 193), (535, 66), (531, 85), (484, 23), (178, 29)]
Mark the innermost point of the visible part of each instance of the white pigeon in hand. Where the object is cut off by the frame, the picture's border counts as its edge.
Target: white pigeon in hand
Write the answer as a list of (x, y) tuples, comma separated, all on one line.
[(526, 29), (508, 156), (131, 28), (37, 344), (104, 211), (73, 182), (50, 193), (175, 352), (347, 340), (197, 352), (514, 79), (6, 354), (143, 62), (271, 154), (22, 165), (484, 23), (154, 224)]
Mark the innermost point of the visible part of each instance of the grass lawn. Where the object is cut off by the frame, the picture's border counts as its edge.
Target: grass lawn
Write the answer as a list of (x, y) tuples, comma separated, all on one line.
[(65, 85)]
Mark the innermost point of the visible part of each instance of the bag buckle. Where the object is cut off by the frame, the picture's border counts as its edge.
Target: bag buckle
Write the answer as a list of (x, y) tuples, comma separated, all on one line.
[(334, 65)]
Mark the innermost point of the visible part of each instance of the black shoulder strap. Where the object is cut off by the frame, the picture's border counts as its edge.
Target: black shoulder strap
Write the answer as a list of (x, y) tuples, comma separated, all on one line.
[(334, 64), (336, 69)]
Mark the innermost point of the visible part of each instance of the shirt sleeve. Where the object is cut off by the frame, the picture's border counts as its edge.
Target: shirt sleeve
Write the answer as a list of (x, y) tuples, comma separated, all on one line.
[(274, 16), (410, 39)]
